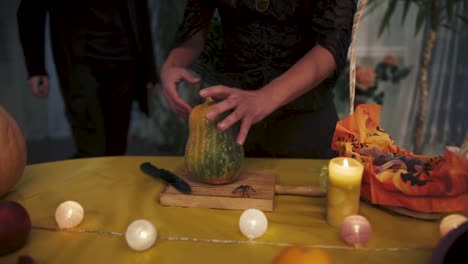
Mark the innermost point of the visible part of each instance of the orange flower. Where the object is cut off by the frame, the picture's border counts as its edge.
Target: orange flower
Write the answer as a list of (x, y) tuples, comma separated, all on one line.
[(365, 77), (390, 59)]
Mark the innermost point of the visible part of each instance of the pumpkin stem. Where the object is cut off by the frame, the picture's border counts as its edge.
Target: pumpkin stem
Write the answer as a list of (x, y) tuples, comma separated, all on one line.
[(209, 100)]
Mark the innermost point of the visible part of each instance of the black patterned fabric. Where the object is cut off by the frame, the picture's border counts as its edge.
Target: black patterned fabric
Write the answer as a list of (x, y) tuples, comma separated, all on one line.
[(248, 46)]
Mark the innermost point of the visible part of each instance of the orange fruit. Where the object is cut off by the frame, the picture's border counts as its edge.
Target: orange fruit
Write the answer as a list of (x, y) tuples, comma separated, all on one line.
[(298, 254)]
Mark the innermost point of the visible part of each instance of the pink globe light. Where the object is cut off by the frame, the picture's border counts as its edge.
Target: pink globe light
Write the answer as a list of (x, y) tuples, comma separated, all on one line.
[(355, 230)]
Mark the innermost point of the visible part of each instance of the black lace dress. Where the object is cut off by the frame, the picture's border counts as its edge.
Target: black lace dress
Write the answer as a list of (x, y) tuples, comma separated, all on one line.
[(258, 40)]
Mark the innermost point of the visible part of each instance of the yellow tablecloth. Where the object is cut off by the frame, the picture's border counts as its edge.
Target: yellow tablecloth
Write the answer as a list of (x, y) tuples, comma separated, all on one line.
[(114, 192)]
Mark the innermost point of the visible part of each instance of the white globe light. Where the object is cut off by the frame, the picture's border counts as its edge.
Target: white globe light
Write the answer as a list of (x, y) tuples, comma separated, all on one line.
[(69, 214), (140, 235), (253, 223)]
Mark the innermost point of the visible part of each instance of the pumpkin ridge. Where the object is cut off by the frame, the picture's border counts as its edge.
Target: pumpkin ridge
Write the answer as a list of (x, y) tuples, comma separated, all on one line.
[(13, 152)]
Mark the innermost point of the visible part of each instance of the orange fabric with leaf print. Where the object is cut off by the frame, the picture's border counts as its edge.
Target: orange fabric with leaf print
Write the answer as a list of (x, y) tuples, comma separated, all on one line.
[(395, 176)]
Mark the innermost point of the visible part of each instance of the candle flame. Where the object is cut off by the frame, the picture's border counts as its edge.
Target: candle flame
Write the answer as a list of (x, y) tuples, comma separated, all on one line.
[(345, 163)]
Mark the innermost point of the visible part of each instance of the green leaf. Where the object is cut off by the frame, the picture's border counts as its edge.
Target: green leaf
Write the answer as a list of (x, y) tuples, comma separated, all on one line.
[(388, 15), (423, 16), (405, 10)]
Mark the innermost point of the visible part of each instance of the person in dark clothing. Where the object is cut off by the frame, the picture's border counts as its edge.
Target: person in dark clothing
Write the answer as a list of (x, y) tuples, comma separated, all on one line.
[(281, 59), (103, 54)]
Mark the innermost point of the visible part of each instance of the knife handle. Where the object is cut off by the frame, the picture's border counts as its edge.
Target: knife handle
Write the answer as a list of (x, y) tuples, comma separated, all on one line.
[(149, 169), (302, 190)]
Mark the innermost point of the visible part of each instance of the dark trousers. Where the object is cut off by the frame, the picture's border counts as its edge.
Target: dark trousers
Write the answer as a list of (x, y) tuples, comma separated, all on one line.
[(294, 134), (98, 99)]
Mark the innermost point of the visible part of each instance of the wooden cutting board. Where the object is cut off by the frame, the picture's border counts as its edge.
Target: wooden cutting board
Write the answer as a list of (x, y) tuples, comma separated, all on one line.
[(222, 196)]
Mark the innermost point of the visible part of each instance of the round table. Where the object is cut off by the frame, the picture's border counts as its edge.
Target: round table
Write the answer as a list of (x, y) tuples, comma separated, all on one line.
[(114, 192)]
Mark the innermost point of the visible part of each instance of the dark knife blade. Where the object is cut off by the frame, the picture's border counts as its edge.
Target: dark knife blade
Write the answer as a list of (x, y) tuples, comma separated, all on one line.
[(169, 177)]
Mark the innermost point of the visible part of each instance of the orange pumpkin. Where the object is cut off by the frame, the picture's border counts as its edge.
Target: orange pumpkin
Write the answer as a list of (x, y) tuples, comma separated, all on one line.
[(12, 152), (301, 254)]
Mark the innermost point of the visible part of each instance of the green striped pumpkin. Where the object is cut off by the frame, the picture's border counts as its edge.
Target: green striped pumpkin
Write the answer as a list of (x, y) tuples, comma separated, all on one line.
[(211, 156)]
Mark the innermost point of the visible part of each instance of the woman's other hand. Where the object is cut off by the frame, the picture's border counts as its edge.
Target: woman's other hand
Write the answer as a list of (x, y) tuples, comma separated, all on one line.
[(170, 77)]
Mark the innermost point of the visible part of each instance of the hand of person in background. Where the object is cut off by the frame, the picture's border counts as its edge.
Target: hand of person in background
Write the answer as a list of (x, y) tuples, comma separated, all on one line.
[(39, 85), (248, 107), (170, 77)]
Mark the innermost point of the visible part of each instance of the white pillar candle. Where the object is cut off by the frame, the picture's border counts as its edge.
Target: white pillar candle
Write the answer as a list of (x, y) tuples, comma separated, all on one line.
[(344, 187)]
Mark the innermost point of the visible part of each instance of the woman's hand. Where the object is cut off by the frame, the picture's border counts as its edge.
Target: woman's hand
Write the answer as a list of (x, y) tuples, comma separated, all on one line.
[(248, 107), (39, 85), (170, 77)]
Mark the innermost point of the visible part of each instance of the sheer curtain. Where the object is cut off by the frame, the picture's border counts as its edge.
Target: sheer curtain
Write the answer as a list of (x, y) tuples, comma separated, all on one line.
[(447, 120), (400, 41), (30, 113), (38, 118)]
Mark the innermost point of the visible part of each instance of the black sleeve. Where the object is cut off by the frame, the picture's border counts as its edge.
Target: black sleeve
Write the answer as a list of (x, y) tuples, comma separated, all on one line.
[(31, 16), (197, 16), (332, 23), (146, 42)]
